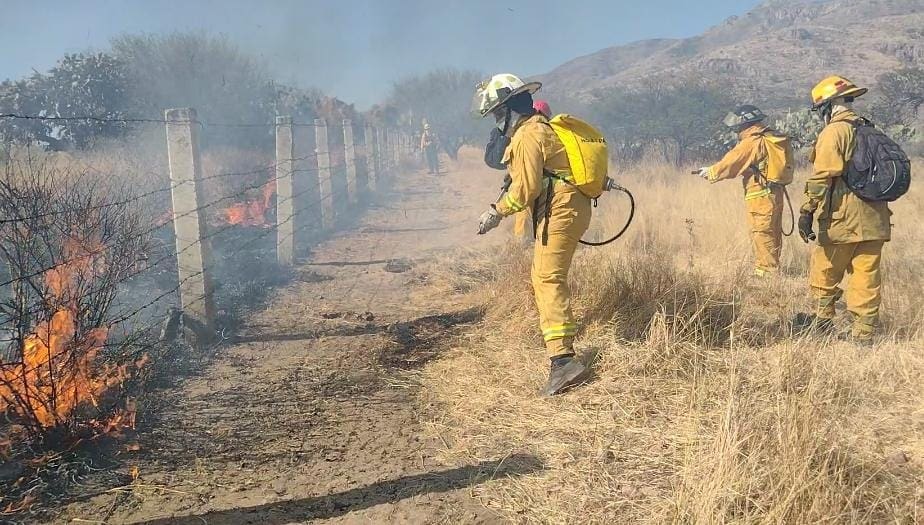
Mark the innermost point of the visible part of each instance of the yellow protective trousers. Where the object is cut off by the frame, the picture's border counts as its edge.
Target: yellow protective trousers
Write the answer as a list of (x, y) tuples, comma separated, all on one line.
[(523, 224), (568, 220), (765, 217), (860, 260)]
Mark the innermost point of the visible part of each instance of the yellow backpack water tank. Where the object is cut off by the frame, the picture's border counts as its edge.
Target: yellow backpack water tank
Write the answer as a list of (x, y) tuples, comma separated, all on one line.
[(780, 164), (587, 153)]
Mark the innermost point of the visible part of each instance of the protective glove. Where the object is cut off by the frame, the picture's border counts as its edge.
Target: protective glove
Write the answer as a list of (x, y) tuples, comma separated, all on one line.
[(488, 220), (805, 227)]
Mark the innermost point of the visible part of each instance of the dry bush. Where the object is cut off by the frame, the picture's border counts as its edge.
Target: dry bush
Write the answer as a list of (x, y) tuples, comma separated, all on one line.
[(65, 249), (69, 372), (703, 407)]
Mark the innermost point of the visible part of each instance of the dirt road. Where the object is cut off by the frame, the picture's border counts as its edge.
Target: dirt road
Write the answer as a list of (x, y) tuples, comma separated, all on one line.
[(311, 416)]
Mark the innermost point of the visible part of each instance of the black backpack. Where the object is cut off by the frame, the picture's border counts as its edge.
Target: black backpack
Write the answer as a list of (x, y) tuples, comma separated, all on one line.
[(879, 170)]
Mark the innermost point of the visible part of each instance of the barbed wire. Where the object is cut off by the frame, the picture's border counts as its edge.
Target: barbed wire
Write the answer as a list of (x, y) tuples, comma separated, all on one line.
[(56, 118), (176, 254), (104, 247), (375, 157), (124, 317), (252, 241), (306, 207), (150, 120), (121, 318), (135, 198)]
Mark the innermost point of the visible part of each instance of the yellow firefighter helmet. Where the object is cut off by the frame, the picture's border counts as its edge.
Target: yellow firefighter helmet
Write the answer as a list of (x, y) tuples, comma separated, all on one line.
[(834, 87)]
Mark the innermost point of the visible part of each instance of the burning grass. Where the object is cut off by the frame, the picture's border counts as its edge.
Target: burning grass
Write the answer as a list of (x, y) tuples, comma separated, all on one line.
[(64, 252), (703, 408)]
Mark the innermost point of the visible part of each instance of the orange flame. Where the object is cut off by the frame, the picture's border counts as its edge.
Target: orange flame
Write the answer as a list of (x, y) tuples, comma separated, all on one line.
[(252, 212), (59, 370)]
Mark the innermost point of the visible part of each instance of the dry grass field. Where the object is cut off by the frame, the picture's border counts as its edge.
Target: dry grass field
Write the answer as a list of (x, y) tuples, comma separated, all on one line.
[(703, 407)]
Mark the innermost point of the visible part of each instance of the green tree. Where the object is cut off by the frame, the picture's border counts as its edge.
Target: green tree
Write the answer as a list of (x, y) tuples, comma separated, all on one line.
[(208, 73), (679, 121), (80, 84), (442, 98), (802, 126), (900, 94)]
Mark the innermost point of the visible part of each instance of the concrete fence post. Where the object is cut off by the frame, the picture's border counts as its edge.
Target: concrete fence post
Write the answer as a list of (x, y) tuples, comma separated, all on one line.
[(393, 149), (369, 148), (349, 158), (194, 257), (381, 154), (325, 182), (285, 191)]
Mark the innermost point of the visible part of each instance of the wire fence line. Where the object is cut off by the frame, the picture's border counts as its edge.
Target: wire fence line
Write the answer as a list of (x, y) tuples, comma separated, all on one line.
[(147, 194), (146, 120), (144, 233), (377, 153), (126, 316), (166, 258)]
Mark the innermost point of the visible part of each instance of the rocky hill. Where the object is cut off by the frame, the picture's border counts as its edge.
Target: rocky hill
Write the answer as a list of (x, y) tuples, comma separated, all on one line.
[(772, 54)]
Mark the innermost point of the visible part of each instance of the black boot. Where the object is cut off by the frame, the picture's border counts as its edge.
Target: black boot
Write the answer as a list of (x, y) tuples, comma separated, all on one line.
[(804, 324), (566, 371)]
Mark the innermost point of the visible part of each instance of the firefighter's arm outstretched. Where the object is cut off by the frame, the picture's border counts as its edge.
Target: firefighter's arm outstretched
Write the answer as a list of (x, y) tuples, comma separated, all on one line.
[(735, 163), (525, 162)]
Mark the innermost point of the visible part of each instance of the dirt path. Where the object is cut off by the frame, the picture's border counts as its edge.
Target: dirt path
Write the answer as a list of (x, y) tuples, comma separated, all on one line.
[(310, 416)]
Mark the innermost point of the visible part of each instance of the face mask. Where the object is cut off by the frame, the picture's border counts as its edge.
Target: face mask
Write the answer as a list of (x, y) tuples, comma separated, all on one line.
[(494, 151), (501, 119), (825, 112)]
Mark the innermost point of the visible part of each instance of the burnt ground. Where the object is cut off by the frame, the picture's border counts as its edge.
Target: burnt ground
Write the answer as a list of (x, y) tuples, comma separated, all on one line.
[(312, 414)]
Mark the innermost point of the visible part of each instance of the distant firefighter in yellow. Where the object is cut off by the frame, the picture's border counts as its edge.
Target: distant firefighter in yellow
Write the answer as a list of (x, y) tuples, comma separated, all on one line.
[(429, 144), (856, 171), (764, 162), (525, 144)]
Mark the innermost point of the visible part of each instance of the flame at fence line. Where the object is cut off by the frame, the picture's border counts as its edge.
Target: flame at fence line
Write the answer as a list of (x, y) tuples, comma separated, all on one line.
[(59, 372), (252, 212)]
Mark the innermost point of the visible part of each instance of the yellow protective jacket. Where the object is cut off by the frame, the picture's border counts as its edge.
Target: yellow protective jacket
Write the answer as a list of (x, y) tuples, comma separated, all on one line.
[(534, 148), (843, 218), (426, 140), (750, 151)]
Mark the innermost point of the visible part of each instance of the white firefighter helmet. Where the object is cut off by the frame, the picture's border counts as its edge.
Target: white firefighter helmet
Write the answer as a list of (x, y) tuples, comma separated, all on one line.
[(491, 93), (743, 116)]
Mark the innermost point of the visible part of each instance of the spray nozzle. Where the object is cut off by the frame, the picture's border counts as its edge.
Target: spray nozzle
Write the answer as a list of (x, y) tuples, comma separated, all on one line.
[(610, 185)]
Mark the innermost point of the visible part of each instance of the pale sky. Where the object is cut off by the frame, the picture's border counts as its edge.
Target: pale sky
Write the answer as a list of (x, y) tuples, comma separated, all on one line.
[(356, 49)]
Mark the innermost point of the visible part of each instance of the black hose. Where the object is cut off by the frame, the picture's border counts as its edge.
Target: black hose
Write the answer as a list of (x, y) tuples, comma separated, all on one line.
[(624, 228), (792, 214)]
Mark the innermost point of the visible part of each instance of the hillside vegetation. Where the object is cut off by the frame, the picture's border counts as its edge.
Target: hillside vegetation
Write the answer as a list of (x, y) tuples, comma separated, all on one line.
[(703, 407), (772, 54)]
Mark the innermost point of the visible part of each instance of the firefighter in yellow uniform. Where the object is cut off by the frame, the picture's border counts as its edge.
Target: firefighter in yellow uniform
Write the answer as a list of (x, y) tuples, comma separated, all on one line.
[(522, 225), (429, 147), (764, 201), (532, 151), (851, 232)]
